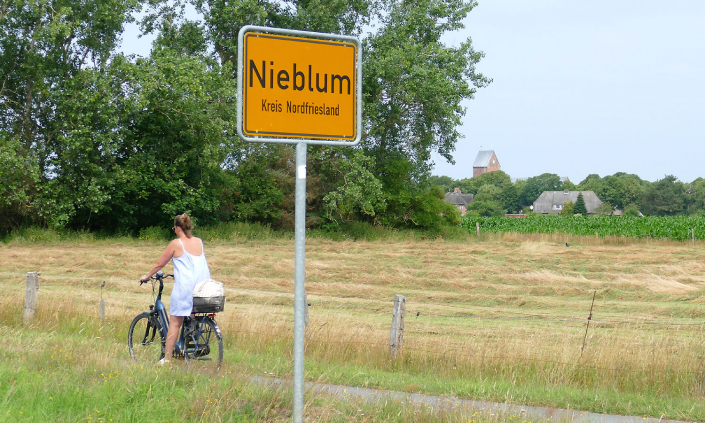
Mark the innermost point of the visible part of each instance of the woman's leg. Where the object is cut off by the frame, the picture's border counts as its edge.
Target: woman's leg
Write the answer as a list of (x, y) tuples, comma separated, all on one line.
[(172, 335)]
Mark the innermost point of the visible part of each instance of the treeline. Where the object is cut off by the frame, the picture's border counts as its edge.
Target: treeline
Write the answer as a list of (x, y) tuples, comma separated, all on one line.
[(495, 194), (93, 139)]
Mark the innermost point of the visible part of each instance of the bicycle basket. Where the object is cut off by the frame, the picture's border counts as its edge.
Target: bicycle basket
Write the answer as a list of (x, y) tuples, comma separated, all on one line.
[(208, 304), (208, 297)]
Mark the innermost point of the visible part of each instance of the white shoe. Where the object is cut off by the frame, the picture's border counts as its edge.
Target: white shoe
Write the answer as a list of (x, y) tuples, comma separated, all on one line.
[(162, 362)]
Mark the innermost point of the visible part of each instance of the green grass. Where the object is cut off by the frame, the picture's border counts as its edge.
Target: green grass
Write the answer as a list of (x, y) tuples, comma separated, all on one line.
[(235, 231), (504, 378), (78, 370)]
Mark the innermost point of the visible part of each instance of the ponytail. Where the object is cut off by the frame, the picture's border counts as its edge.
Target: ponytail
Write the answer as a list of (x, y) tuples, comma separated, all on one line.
[(183, 221)]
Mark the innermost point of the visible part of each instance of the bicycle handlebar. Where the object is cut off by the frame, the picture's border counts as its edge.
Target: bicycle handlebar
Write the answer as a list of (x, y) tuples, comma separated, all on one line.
[(157, 277)]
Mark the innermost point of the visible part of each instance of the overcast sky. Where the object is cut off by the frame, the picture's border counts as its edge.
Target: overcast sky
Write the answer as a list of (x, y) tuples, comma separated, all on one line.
[(600, 87), (603, 86)]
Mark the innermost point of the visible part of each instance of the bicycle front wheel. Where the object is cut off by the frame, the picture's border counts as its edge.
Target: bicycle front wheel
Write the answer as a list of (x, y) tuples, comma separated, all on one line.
[(145, 340), (206, 352)]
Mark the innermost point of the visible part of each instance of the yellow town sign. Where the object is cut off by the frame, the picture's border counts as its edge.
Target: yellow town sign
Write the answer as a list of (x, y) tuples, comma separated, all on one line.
[(295, 87)]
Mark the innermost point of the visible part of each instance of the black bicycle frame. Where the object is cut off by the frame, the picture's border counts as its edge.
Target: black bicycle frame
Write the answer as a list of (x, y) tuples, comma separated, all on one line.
[(159, 310)]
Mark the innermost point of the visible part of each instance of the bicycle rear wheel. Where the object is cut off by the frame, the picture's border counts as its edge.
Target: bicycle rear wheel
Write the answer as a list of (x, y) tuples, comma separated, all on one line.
[(206, 353), (144, 339)]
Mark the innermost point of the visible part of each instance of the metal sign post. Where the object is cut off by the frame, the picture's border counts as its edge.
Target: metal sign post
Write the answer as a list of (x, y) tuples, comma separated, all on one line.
[(299, 87)]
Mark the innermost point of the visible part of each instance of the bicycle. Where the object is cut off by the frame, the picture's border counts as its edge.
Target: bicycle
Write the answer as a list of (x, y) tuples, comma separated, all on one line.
[(200, 342)]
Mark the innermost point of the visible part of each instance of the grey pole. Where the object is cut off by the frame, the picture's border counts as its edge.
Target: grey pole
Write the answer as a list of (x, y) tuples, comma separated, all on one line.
[(299, 277)]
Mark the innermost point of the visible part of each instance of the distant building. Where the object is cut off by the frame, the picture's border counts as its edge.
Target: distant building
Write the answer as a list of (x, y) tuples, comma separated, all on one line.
[(486, 161), (459, 200), (552, 201)]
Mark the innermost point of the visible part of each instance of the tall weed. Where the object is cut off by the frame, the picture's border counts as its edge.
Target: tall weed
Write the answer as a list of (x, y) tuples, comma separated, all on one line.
[(234, 231)]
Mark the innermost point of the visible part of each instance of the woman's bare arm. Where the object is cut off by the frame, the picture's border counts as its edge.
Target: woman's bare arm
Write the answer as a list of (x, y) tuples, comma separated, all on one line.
[(162, 261)]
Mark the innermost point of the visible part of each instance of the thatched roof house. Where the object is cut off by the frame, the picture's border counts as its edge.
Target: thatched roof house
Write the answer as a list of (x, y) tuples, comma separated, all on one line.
[(459, 200), (552, 201)]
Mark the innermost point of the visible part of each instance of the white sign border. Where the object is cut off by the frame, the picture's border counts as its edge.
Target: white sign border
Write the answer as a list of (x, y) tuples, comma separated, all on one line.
[(295, 33)]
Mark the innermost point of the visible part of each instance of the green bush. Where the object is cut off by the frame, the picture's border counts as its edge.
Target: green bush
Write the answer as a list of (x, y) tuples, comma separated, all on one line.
[(486, 208), (358, 231), (454, 233), (568, 208), (239, 230), (40, 235), (35, 235), (631, 210), (154, 233)]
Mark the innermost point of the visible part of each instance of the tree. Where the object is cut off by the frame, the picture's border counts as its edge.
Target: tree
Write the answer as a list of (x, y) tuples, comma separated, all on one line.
[(413, 87), (486, 201), (509, 198), (466, 185), (488, 193), (254, 194), (51, 53), (568, 209), (695, 196), (520, 186), (632, 211), (427, 206), (446, 183), (536, 185), (506, 195), (579, 207), (19, 175), (360, 193), (141, 143), (593, 182), (101, 141), (485, 208), (632, 190), (618, 190), (414, 84), (664, 197), (604, 209), (223, 19), (497, 178)]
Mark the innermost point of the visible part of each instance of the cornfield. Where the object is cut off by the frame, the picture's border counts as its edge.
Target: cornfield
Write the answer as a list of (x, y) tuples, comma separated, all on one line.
[(677, 228)]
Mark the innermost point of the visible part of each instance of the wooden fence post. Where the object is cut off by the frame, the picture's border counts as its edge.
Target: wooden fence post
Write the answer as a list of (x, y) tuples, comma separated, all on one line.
[(477, 226), (693, 236), (30, 300), (396, 334), (587, 326), (102, 303)]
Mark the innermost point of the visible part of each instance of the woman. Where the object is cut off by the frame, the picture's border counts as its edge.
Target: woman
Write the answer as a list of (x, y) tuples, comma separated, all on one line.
[(190, 267)]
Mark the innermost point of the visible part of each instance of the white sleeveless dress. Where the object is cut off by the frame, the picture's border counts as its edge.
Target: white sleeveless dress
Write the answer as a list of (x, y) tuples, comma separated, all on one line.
[(188, 271)]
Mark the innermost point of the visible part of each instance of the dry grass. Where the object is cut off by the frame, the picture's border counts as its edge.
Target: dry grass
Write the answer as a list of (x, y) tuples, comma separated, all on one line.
[(504, 306)]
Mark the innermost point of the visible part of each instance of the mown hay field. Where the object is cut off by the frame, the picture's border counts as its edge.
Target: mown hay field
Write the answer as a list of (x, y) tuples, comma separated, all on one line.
[(499, 317)]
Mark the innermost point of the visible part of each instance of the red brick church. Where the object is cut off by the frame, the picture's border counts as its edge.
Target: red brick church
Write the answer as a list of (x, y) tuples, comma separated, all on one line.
[(486, 161)]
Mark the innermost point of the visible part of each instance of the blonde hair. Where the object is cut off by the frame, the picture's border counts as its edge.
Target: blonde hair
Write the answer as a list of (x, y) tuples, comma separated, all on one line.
[(183, 221)]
